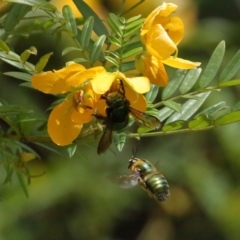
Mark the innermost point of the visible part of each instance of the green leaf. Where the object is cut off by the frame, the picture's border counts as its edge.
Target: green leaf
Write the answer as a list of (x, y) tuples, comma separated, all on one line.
[(97, 49), (115, 24), (42, 62), (231, 69), (189, 108), (86, 32), (133, 24), (68, 15), (173, 105), (131, 52), (119, 140), (29, 2), (174, 83), (152, 94), (236, 107), (112, 60), (15, 15), (127, 66), (4, 46), (213, 109), (189, 80), (71, 150), (173, 126), (200, 122), (98, 27), (228, 118), (229, 83), (164, 113), (80, 60), (213, 65), (133, 19), (70, 49), (114, 40), (19, 75), (22, 183)]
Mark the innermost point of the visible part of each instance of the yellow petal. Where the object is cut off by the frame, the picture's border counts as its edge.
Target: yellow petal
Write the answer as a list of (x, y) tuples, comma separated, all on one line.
[(137, 101), (152, 68), (180, 63), (175, 29), (102, 82), (82, 117), (139, 84), (61, 128), (158, 43)]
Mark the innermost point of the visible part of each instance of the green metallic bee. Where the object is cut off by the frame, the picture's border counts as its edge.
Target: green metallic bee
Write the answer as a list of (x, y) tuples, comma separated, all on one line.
[(145, 174), (117, 118)]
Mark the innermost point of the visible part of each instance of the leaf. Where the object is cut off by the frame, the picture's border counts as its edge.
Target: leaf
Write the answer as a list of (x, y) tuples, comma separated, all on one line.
[(200, 122), (22, 183), (152, 94), (70, 49), (68, 15), (131, 52), (42, 62), (189, 80), (4, 46), (173, 105), (19, 75), (71, 150), (119, 140), (80, 60), (133, 19), (115, 24), (229, 83), (173, 126), (174, 83), (98, 27), (236, 107), (86, 32), (189, 108), (15, 15), (97, 49), (164, 113), (213, 109), (213, 65), (29, 2), (112, 60), (228, 118), (114, 40), (231, 69)]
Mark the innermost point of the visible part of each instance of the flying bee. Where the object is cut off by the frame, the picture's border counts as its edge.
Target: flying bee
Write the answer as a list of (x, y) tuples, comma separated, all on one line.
[(144, 173), (117, 116)]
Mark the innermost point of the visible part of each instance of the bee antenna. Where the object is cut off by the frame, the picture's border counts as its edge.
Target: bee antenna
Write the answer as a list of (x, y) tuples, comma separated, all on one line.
[(134, 151)]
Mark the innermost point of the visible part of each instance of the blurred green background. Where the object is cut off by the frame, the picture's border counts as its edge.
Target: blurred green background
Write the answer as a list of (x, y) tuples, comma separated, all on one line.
[(76, 199)]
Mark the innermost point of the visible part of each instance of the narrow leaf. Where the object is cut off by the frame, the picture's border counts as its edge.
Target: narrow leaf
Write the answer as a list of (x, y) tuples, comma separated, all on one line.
[(86, 32), (70, 49), (213, 65), (200, 122), (68, 15), (173, 105), (152, 94), (173, 126), (19, 75), (119, 140), (22, 183), (228, 118), (174, 83), (99, 28), (231, 69), (96, 49), (42, 62), (189, 80), (132, 52), (229, 83), (4, 46), (164, 113), (189, 108)]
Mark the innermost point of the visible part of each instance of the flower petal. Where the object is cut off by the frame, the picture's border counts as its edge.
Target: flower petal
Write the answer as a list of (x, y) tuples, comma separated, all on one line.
[(180, 63), (137, 101), (102, 82), (139, 84), (61, 128)]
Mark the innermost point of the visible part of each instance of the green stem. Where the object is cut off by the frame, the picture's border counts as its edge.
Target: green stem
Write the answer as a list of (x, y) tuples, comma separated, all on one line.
[(155, 134), (134, 6)]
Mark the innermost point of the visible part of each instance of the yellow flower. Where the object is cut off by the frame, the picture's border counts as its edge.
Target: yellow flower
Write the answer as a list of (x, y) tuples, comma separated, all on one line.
[(67, 118), (152, 68), (161, 34), (103, 81)]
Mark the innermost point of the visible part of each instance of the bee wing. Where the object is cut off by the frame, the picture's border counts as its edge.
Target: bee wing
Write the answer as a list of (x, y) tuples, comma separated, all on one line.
[(145, 119), (128, 180), (106, 139)]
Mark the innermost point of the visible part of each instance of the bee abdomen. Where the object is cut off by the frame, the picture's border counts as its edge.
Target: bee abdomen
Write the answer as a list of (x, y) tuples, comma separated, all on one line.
[(158, 186)]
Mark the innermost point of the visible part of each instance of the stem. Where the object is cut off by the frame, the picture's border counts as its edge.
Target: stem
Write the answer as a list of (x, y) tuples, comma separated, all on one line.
[(134, 6), (155, 134)]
